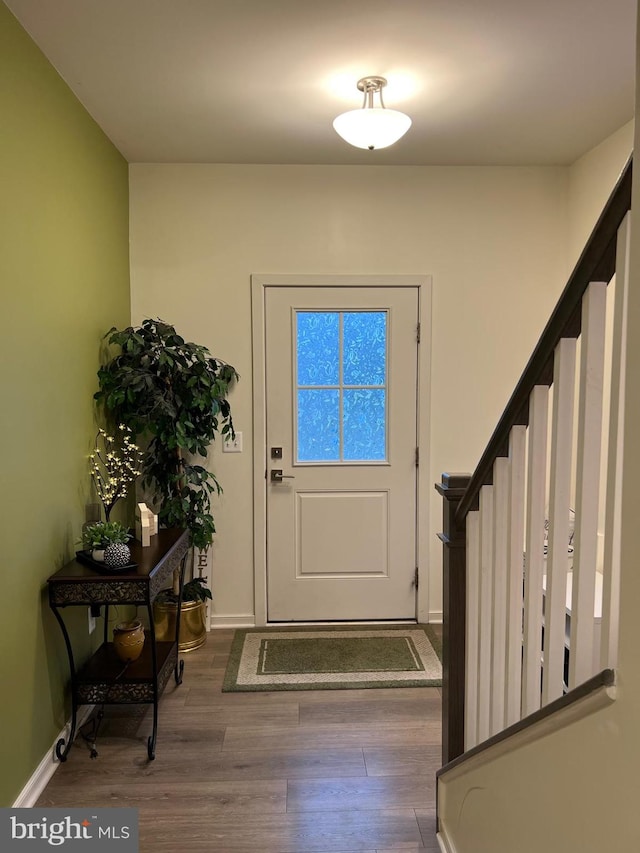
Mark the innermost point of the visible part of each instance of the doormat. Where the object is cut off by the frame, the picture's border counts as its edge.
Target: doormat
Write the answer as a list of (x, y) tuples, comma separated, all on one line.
[(340, 658)]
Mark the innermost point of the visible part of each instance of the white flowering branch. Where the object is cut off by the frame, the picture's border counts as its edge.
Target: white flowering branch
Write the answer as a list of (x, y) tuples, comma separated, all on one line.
[(114, 465)]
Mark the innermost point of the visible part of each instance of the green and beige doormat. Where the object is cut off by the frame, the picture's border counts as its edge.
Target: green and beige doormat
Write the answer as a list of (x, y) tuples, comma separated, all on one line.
[(333, 658)]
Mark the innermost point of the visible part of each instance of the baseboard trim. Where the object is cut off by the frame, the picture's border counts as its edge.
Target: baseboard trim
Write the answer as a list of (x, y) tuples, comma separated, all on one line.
[(248, 620), (241, 620), (358, 624), (41, 776)]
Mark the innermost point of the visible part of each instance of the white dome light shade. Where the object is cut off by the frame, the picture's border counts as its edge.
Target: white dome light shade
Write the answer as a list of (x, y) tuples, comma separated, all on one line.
[(372, 127)]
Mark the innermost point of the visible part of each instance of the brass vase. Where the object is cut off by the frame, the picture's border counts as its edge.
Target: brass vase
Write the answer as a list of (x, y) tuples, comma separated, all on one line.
[(128, 640)]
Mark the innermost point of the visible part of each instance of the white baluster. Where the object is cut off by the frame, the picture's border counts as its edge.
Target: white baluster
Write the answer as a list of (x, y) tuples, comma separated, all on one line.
[(611, 579), (472, 640), (564, 381), (534, 547), (588, 483), (500, 569), (517, 480)]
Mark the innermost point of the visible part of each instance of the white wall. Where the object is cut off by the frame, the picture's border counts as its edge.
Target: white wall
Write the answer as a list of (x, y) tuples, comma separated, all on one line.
[(494, 240), (577, 789), (591, 179)]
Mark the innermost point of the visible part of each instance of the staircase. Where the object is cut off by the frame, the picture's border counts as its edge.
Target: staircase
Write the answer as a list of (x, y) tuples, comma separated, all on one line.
[(531, 539)]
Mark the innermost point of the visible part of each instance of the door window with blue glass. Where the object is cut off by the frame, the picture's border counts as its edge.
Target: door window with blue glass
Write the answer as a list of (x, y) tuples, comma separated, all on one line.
[(341, 386)]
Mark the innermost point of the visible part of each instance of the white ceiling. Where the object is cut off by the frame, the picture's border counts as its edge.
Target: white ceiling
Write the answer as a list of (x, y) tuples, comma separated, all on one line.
[(260, 81)]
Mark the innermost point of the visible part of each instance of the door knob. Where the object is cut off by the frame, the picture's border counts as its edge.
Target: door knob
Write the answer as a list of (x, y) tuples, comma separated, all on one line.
[(277, 476)]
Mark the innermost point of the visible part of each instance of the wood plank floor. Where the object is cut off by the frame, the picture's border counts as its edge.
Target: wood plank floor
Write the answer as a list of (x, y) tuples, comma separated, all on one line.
[(285, 772)]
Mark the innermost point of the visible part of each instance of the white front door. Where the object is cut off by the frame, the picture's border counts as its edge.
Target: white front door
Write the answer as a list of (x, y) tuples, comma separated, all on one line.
[(341, 425)]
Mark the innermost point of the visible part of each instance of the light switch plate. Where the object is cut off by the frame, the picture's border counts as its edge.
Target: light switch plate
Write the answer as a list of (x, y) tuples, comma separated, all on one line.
[(233, 445)]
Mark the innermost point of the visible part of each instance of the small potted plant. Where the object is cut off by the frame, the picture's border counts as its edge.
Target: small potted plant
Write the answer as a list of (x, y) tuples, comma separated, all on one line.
[(106, 542)]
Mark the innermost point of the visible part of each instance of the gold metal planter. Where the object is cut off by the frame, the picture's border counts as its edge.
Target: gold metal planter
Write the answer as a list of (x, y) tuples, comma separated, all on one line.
[(193, 626)]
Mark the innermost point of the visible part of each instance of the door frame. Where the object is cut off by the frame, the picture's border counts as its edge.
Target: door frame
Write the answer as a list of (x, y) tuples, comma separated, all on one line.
[(259, 285)]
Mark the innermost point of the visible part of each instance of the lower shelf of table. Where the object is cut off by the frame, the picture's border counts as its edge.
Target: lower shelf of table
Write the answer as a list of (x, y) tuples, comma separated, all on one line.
[(106, 679)]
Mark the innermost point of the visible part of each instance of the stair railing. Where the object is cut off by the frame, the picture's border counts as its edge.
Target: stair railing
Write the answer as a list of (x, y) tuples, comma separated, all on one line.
[(531, 538)]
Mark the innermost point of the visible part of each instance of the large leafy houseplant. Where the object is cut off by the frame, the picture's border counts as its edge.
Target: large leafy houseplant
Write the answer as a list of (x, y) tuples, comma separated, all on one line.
[(173, 394)]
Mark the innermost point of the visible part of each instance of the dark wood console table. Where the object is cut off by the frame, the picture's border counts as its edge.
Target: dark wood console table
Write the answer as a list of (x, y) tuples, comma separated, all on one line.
[(104, 678)]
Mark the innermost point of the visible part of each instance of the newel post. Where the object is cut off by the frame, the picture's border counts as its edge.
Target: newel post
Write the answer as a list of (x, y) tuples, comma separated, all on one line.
[(454, 583)]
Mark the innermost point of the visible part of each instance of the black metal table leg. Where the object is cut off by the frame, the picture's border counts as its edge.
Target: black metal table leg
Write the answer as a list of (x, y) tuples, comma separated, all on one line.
[(179, 667), (151, 743), (62, 753), (62, 750)]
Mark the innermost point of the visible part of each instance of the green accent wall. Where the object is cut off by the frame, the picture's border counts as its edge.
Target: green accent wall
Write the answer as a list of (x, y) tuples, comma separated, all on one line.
[(64, 281)]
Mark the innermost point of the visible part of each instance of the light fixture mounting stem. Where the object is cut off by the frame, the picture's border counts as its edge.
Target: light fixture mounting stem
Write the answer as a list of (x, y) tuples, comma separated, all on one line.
[(371, 85)]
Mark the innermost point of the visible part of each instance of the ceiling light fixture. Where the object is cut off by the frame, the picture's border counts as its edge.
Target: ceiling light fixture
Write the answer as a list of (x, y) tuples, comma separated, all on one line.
[(372, 127)]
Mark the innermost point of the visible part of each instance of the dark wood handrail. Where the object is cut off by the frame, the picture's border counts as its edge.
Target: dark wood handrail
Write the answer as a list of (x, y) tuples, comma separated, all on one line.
[(596, 263)]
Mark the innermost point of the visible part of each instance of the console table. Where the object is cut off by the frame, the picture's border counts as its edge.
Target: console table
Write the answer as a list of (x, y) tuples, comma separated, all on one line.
[(104, 678)]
